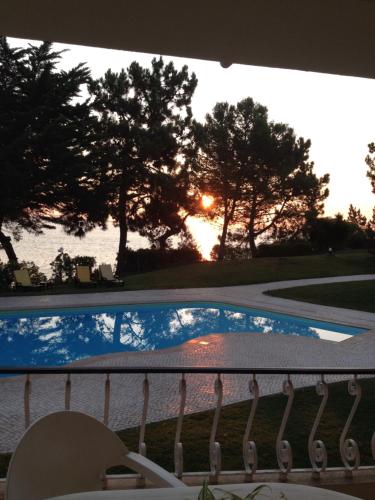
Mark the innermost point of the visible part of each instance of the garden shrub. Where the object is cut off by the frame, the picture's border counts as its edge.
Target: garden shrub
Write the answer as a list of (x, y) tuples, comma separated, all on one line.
[(232, 252), (63, 266), (284, 249), (7, 272), (148, 259)]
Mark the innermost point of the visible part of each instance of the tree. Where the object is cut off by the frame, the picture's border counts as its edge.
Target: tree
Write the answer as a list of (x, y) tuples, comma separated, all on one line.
[(167, 210), (218, 169), (356, 218), (330, 232), (370, 160), (44, 132), (143, 125), (258, 172)]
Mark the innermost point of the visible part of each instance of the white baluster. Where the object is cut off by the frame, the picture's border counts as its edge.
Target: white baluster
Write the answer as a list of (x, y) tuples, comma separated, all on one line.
[(146, 394), (142, 449), (26, 400), (283, 448), (107, 396), (215, 450), (178, 449), (249, 449), (349, 450), (68, 390), (317, 449)]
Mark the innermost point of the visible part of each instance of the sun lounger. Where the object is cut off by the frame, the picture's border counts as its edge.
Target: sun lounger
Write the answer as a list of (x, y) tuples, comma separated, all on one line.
[(107, 276), (83, 276), (23, 281)]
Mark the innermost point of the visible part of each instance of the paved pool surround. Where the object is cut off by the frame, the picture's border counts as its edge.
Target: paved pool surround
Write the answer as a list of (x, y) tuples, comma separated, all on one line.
[(231, 350)]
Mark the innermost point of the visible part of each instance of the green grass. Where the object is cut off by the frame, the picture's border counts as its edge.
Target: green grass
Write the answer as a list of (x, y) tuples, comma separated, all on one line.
[(260, 270), (359, 295), (196, 430)]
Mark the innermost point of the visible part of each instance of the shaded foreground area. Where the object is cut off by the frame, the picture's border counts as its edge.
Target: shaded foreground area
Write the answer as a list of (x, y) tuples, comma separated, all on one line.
[(359, 295), (196, 430), (245, 272)]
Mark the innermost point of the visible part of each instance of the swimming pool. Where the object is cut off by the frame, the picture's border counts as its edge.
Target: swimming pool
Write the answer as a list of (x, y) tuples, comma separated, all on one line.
[(51, 337)]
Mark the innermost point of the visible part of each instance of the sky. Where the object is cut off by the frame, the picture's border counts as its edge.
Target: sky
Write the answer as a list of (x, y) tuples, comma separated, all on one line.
[(336, 112)]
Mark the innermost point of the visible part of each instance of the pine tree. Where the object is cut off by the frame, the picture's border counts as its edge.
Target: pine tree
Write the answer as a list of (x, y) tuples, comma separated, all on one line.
[(44, 133), (143, 126)]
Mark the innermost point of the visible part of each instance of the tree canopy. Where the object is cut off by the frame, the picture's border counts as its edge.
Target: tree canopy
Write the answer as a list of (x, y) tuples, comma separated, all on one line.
[(127, 150), (143, 126), (370, 160), (258, 172), (44, 132)]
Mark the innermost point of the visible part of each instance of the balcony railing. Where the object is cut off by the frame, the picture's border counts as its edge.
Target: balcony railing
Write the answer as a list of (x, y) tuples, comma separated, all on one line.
[(348, 448)]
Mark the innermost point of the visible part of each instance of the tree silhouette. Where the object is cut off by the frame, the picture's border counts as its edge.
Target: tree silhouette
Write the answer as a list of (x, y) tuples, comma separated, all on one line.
[(258, 172), (356, 217), (370, 160), (143, 125), (44, 132), (166, 212)]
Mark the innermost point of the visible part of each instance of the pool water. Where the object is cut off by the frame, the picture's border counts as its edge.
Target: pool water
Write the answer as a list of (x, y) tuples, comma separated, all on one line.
[(60, 336)]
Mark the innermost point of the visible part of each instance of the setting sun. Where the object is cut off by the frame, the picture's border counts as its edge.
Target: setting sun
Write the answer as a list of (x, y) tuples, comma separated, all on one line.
[(207, 200)]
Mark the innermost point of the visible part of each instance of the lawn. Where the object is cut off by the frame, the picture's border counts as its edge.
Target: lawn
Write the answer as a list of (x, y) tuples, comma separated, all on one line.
[(358, 295), (196, 430), (260, 270)]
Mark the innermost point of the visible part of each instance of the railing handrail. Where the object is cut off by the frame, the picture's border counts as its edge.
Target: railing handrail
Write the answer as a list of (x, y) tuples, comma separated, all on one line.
[(39, 370)]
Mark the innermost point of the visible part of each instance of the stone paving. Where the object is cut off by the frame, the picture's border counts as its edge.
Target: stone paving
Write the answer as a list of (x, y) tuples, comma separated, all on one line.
[(230, 350)]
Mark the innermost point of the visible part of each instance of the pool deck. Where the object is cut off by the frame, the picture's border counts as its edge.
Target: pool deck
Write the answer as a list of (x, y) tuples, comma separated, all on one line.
[(231, 350), (245, 295)]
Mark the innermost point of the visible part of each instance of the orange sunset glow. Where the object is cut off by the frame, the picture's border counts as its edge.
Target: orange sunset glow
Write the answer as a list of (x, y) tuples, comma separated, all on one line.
[(205, 235), (207, 200)]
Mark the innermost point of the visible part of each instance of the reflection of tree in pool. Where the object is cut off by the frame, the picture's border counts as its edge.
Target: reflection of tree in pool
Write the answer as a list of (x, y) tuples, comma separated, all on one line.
[(205, 321), (150, 329), (84, 335), (62, 339), (55, 340), (282, 326), (30, 349)]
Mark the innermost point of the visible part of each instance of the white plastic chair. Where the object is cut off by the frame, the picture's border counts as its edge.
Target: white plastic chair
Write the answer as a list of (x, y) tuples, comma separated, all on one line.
[(69, 452)]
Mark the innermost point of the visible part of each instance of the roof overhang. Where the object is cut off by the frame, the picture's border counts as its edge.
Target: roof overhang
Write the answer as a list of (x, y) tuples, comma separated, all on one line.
[(329, 36)]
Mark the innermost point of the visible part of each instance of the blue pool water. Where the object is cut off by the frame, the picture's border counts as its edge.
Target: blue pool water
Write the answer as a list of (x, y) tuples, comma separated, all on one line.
[(56, 337)]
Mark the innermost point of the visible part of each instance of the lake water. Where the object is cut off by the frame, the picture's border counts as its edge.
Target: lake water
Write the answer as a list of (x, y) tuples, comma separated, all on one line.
[(44, 248), (100, 244)]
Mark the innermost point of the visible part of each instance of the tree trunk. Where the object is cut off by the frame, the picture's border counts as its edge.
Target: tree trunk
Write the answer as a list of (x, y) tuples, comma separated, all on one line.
[(251, 232), (123, 225), (162, 240), (171, 231), (223, 237), (228, 216), (5, 242), (253, 247)]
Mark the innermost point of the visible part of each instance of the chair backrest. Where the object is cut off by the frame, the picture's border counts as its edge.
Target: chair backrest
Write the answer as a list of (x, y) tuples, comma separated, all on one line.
[(69, 452), (64, 452), (22, 277), (83, 274), (106, 272)]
